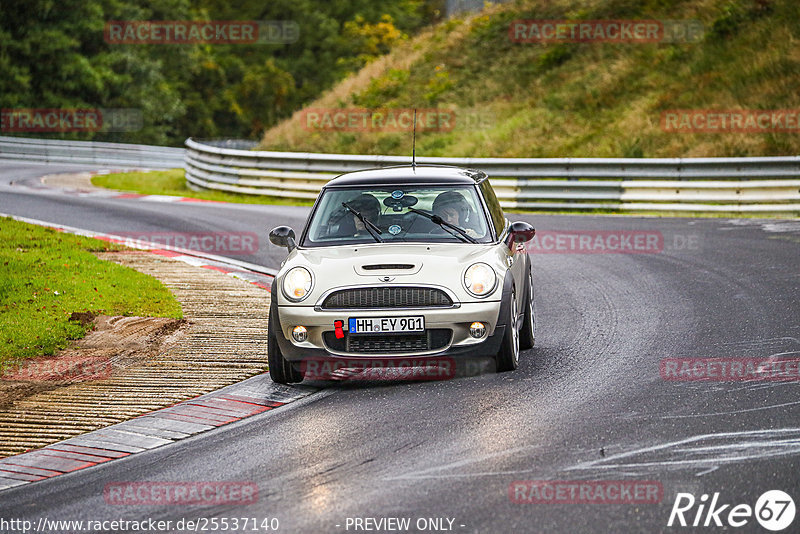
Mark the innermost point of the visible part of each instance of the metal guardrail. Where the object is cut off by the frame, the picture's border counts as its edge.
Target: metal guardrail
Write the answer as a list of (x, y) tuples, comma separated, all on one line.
[(766, 184), (91, 153), (769, 184)]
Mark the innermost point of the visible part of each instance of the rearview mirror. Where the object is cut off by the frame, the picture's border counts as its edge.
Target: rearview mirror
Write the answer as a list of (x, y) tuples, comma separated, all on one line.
[(282, 236)]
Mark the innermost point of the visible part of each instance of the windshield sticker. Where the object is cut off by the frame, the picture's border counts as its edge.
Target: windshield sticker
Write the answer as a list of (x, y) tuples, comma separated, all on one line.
[(394, 229)]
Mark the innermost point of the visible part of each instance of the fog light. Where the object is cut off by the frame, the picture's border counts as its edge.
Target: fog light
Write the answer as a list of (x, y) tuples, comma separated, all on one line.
[(477, 329), (300, 334)]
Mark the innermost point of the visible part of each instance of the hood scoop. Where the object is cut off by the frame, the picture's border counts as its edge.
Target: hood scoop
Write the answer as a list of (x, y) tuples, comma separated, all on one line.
[(388, 266), (384, 269)]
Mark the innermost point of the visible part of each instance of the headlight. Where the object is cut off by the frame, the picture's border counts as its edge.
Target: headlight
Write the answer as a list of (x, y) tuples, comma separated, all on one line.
[(480, 279), (297, 284)]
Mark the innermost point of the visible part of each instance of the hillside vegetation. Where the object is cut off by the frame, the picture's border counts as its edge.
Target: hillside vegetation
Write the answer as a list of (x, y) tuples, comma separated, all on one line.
[(55, 54), (590, 99)]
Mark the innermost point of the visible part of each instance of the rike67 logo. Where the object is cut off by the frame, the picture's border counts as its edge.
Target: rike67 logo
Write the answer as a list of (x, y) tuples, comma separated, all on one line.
[(774, 510)]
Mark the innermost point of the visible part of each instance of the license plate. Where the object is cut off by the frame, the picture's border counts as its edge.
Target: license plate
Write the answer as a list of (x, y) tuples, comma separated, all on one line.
[(382, 325)]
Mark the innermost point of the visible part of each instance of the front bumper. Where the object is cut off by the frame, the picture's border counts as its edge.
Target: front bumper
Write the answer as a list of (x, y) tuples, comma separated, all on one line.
[(456, 320)]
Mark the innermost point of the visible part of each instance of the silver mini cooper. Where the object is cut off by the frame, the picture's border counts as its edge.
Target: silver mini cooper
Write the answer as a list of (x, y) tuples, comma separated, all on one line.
[(410, 263)]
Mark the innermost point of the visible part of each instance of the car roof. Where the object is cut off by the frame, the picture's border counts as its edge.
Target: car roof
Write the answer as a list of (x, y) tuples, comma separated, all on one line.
[(407, 174)]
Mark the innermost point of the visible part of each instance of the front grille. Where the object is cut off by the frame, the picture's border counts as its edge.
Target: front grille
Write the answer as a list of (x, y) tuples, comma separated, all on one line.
[(432, 339), (378, 344), (387, 297)]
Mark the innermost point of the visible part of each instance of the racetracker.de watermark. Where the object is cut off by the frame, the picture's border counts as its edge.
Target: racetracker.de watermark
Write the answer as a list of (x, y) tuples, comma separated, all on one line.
[(392, 119), (596, 242), (731, 120), (201, 32), (605, 31), (207, 493), (730, 369), (585, 492), (379, 369), (610, 242), (71, 120), (143, 524), (64, 368), (233, 243)]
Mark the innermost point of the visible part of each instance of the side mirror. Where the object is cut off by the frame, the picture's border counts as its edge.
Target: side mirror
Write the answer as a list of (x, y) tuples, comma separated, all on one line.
[(521, 232), (282, 236)]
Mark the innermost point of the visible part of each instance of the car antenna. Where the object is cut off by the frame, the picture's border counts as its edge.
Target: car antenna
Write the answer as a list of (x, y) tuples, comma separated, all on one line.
[(414, 143)]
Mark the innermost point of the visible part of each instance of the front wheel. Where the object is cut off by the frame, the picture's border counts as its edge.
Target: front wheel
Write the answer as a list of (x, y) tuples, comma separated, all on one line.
[(507, 358), (280, 369)]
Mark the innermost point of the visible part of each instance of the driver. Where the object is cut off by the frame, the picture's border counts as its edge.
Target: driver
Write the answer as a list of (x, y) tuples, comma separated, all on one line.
[(453, 208), (369, 207)]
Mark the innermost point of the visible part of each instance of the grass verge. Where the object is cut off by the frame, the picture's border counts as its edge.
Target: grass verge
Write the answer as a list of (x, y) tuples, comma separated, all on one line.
[(663, 214), (47, 275), (173, 183)]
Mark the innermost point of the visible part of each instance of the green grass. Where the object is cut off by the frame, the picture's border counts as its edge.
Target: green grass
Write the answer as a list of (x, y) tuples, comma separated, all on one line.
[(172, 182), (47, 275), (660, 214)]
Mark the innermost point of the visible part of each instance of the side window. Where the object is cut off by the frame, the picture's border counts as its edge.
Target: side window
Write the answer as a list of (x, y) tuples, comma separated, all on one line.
[(495, 211)]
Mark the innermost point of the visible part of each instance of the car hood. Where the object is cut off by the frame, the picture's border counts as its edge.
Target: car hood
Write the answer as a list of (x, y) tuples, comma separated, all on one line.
[(396, 264)]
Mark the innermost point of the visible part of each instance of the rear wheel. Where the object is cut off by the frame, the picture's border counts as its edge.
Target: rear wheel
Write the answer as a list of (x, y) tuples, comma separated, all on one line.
[(280, 369), (528, 332), (508, 356)]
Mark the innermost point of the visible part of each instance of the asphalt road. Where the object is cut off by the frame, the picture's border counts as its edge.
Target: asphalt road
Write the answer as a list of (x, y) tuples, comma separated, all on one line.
[(588, 403)]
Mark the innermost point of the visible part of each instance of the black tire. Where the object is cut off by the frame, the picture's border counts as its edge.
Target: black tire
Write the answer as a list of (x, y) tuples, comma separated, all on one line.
[(507, 358), (281, 370), (527, 336)]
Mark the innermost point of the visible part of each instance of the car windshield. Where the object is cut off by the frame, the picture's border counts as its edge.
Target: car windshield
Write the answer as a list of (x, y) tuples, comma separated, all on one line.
[(424, 213)]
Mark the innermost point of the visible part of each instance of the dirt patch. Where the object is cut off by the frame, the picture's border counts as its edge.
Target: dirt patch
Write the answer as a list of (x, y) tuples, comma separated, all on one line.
[(115, 343), (76, 182)]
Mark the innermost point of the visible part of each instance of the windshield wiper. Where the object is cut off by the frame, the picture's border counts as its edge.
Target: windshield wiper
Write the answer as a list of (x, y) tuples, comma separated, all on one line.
[(446, 225), (371, 228)]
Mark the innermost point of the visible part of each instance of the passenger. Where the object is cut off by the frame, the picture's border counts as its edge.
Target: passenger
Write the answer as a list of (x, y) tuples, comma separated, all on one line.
[(453, 208)]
